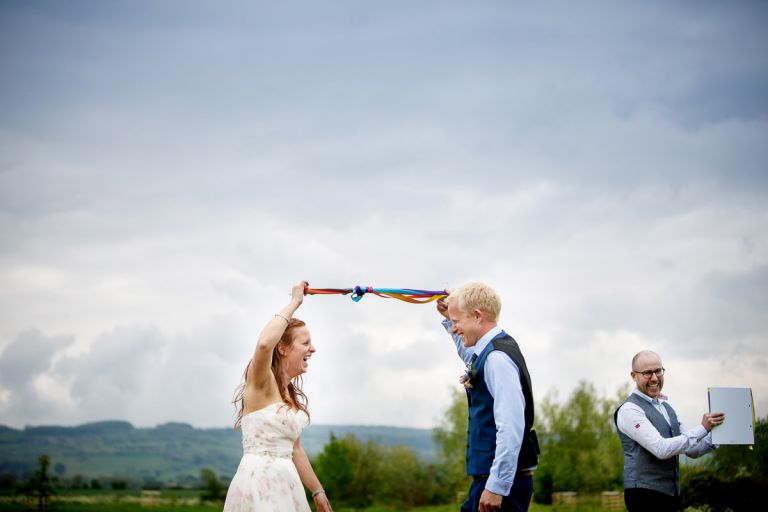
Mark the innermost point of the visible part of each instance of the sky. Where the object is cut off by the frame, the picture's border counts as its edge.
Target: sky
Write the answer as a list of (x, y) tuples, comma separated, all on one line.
[(169, 170)]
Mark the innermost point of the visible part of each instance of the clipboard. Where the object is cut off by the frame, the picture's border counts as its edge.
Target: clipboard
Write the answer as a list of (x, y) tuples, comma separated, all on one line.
[(739, 408)]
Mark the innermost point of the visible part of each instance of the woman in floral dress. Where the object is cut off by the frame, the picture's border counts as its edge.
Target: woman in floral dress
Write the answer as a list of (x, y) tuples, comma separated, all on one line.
[(272, 411)]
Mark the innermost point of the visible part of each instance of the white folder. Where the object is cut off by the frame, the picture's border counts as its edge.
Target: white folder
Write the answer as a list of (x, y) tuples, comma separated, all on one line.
[(739, 409)]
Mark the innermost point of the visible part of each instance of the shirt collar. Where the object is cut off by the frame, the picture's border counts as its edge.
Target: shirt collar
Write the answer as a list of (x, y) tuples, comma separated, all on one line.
[(485, 339), (648, 399)]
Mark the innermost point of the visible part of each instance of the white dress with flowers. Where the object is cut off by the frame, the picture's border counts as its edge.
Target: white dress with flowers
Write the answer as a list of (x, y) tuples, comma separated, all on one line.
[(266, 479)]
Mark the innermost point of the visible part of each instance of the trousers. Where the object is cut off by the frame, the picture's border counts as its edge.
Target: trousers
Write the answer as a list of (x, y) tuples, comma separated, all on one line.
[(639, 499), (519, 498)]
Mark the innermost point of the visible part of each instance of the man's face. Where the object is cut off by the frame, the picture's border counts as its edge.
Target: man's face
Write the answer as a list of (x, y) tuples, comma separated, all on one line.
[(465, 325), (651, 386)]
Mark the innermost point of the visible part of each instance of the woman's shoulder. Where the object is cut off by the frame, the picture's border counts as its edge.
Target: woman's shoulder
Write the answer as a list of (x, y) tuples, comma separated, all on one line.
[(255, 398)]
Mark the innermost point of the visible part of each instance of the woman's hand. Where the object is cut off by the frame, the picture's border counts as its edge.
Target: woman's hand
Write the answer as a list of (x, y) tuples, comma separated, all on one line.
[(297, 292), (322, 503)]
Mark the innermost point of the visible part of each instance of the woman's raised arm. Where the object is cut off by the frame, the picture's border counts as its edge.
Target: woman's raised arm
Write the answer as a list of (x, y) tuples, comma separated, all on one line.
[(259, 370)]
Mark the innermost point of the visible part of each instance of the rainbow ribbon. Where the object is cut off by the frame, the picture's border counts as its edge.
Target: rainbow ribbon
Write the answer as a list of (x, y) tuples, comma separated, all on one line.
[(404, 294)]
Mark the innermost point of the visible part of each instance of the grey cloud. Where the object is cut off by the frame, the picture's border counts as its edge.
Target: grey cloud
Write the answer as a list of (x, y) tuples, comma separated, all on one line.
[(27, 358), (716, 316), (29, 355), (136, 373), (115, 367)]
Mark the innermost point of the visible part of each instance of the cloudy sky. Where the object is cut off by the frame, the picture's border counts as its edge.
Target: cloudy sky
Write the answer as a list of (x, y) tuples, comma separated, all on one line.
[(168, 170)]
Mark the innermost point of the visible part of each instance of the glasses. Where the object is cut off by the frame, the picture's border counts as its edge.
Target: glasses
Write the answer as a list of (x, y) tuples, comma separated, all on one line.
[(648, 373)]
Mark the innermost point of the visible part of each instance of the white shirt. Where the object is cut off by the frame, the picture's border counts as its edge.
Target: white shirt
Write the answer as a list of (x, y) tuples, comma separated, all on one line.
[(633, 423)]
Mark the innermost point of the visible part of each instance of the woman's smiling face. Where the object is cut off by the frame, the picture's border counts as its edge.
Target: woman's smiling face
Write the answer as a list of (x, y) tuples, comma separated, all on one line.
[(296, 358)]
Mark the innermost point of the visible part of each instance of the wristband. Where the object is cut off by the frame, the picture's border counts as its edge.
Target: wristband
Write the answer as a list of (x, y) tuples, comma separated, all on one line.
[(319, 491), (281, 316)]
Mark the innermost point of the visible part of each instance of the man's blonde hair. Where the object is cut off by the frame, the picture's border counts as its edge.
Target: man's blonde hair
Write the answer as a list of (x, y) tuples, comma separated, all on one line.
[(475, 295)]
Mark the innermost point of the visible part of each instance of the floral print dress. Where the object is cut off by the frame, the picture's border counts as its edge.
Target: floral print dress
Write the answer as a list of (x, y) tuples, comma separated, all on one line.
[(266, 479)]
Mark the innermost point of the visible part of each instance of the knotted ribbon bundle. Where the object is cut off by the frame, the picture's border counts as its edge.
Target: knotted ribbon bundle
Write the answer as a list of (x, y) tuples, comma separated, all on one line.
[(404, 294)]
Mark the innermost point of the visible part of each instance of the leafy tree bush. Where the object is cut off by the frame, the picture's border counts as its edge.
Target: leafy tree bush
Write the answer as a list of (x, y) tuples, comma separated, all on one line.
[(118, 485), (451, 439), (335, 467), (721, 493), (404, 480), (580, 450), (213, 488), (745, 461), (39, 486), (735, 478), (359, 474), (78, 482), (8, 481)]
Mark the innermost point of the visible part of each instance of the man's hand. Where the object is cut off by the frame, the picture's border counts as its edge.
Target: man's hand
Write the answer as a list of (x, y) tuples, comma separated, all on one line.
[(712, 419), (490, 502), (442, 307)]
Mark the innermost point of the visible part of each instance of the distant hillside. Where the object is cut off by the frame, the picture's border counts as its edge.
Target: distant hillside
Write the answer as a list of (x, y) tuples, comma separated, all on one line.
[(169, 452)]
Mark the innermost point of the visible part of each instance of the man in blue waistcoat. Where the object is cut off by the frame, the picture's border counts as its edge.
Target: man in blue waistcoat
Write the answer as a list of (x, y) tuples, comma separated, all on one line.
[(502, 450), (653, 438)]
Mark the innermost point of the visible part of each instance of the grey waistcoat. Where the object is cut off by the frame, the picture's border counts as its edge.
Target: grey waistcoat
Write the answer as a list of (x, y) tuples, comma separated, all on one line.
[(641, 467)]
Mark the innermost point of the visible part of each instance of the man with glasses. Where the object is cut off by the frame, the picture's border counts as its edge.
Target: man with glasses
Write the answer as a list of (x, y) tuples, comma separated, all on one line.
[(653, 438)]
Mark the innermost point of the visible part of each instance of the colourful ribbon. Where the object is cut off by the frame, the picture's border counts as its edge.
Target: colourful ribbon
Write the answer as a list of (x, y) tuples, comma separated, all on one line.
[(404, 294)]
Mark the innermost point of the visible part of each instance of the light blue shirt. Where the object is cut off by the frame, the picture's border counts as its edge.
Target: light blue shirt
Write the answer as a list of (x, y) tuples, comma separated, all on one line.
[(508, 407)]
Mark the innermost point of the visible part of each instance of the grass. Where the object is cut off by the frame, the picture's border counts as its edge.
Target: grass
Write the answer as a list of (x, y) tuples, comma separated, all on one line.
[(188, 501), (536, 507)]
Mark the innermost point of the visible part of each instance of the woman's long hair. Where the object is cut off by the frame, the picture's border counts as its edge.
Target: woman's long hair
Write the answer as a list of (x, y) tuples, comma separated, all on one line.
[(294, 396)]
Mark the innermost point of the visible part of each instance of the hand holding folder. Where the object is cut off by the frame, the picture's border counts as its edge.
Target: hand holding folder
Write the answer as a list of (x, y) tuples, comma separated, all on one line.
[(739, 409)]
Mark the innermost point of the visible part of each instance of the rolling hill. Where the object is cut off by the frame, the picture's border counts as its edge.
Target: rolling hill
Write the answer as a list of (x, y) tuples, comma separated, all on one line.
[(171, 452)]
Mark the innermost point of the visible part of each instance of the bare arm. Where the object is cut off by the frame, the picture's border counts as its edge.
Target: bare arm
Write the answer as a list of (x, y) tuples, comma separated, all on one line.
[(259, 371), (309, 479)]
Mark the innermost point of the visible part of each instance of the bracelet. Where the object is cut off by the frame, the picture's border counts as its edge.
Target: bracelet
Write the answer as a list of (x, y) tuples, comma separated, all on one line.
[(319, 491), (281, 316)]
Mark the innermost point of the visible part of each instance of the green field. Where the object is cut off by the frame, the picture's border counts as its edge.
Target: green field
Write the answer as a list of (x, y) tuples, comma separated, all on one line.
[(188, 501)]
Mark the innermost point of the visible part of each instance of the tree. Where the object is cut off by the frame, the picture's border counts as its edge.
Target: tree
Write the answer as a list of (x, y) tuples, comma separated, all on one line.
[(39, 486), (745, 461), (404, 479), (580, 450), (451, 438), (359, 474), (78, 482), (334, 466), (118, 485), (214, 490), (349, 470), (734, 479)]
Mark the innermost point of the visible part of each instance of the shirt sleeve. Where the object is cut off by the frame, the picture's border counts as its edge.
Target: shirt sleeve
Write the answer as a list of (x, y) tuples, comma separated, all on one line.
[(503, 380), (633, 423), (464, 353), (704, 445)]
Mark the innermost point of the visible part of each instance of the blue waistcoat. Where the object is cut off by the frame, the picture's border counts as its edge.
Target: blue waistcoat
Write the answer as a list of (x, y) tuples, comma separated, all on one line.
[(481, 436)]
